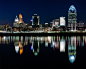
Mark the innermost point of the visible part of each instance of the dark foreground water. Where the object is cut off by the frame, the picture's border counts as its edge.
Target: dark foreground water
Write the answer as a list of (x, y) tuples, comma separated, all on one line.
[(42, 52)]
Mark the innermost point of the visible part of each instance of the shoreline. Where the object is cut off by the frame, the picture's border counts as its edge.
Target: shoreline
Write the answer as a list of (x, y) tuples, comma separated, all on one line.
[(43, 34)]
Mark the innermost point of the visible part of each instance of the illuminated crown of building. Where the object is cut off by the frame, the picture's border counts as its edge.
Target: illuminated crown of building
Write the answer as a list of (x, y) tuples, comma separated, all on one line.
[(16, 19), (20, 18), (72, 8)]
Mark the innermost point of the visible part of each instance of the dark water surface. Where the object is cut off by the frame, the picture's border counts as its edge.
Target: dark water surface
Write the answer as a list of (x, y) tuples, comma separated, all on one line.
[(42, 52)]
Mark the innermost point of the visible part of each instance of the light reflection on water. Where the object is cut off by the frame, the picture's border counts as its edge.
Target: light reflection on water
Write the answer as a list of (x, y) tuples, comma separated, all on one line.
[(54, 42)]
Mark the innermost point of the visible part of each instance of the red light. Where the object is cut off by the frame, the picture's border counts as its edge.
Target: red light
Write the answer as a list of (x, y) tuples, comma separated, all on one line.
[(72, 9), (54, 49)]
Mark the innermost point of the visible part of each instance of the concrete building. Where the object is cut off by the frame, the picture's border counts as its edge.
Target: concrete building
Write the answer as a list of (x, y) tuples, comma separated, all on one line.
[(55, 23)]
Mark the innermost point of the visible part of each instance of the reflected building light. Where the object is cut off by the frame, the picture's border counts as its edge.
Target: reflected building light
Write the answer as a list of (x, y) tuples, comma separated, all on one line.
[(49, 39), (66, 38), (56, 44), (72, 58), (6, 41), (62, 46), (4, 38), (82, 43), (36, 49), (79, 40), (57, 38), (36, 53), (71, 53), (11, 39), (35, 38), (75, 40), (54, 38), (53, 44), (45, 39), (17, 38), (85, 40), (32, 46), (26, 42), (38, 43), (41, 38), (46, 44), (0, 39), (21, 50), (26, 38), (21, 38), (17, 49)]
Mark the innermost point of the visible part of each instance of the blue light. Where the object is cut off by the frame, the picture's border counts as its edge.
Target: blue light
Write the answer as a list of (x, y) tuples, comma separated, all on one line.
[(51, 45), (31, 47), (72, 58), (82, 43), (30, 19)]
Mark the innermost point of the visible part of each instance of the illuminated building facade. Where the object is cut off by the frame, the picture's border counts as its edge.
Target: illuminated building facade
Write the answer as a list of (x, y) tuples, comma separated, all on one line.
[(55, 23), (16, 19), (72, 18), (20, 18), (35, 20), (46, 24), (62, 21), (15, 24)]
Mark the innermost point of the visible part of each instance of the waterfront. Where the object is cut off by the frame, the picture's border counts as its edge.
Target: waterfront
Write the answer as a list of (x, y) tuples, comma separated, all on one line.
[(42, 51)]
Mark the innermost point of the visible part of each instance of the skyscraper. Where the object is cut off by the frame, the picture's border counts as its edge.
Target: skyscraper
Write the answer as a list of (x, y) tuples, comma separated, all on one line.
[(35, 20), (72, 17), (62, 21), (16, 19), (20, 18)]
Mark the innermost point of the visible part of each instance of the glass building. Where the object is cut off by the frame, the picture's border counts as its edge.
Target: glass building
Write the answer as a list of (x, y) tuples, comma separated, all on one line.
[(35, 19), (72, 17)]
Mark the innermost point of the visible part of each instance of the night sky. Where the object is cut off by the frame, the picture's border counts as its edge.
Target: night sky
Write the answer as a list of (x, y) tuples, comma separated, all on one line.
[(46, 9)]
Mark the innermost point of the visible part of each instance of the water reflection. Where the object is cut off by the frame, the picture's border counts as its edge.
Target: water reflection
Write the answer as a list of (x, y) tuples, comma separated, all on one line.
[(72, 49), (54, 42)]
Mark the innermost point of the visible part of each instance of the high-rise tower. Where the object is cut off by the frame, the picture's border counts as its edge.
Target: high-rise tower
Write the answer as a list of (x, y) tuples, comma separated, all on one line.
[(72, 17), (35, 19), (20, 18), (16, 19)]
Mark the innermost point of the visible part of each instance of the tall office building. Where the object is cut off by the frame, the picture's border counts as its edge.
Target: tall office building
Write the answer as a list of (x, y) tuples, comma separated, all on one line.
[(15, 23), (20, 18), (16, 19), (62, 21), (35, 20), (55, 23), (72, 17)]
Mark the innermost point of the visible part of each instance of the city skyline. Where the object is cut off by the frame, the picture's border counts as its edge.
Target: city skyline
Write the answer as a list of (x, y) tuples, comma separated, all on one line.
[(45, 16)]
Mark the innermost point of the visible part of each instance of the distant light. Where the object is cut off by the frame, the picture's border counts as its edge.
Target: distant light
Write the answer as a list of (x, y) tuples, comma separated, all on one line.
[(31, 47), (72, 9), (31, 20)]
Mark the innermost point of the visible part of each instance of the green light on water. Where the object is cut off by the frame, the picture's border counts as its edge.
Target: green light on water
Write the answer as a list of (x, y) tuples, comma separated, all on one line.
[(62, 37), (62, 31), (68, 38), (16, 37), (35, 53)]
